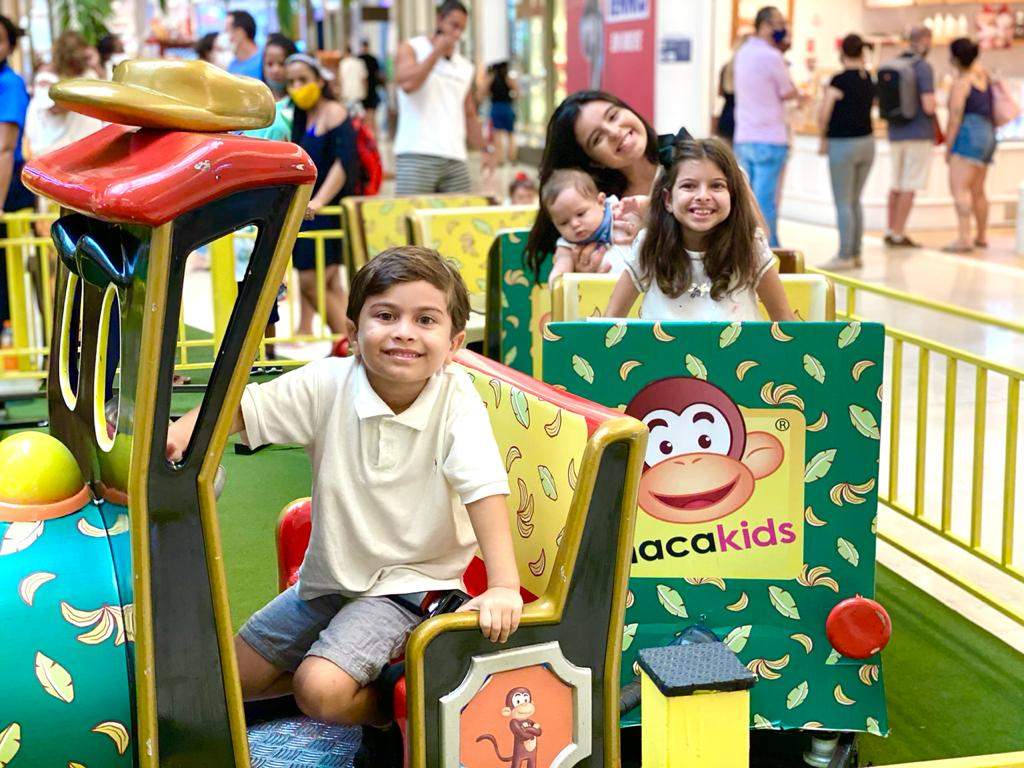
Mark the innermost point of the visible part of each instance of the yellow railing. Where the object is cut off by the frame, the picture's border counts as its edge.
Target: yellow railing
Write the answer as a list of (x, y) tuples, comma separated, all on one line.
[(970, 526), (29, 261)]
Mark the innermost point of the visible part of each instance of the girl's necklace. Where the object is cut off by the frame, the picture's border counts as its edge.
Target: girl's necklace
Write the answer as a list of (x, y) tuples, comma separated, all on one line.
[(698, 290)]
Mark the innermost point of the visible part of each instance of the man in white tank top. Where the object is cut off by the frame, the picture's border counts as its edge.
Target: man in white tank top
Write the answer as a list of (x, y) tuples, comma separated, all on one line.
[(436, 111)]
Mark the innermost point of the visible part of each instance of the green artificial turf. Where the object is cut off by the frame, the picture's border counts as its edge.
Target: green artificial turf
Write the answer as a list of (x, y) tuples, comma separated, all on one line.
[(952, 688)]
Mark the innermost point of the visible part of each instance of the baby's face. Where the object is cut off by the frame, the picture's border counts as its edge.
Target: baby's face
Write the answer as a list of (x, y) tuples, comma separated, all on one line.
[(575, 216)]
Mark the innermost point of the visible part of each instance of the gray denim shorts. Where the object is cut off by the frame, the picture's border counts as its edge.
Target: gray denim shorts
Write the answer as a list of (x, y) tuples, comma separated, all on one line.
[(360, 635)]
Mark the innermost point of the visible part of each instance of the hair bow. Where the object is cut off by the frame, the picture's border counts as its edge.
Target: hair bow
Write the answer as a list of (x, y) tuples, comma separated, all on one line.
[(667, 146)]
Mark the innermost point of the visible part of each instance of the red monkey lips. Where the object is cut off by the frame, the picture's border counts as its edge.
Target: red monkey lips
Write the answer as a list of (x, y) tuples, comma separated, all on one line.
[(691, 501)]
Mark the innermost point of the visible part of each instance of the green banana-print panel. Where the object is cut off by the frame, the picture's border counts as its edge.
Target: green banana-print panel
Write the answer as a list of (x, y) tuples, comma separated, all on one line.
[(525, 304), (759, 497), (66, 637)]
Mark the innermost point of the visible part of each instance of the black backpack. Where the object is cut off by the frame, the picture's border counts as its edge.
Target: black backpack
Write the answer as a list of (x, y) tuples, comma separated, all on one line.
[(897, 89)]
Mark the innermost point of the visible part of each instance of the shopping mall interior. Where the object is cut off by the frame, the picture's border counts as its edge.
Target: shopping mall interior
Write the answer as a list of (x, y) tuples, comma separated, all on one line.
[(874, 149)]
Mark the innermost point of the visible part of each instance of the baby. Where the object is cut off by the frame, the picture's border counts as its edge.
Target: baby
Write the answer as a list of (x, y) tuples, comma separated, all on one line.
[(585, 217)]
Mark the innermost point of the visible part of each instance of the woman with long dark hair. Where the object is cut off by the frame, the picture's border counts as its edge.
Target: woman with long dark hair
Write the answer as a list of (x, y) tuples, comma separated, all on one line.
[(600, 134)]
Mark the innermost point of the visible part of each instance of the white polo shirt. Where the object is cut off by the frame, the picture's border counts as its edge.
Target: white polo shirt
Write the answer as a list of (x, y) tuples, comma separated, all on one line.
[(389, 491)]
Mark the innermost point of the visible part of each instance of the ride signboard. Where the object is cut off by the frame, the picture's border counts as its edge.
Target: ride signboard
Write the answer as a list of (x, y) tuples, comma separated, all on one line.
[(758, 500)]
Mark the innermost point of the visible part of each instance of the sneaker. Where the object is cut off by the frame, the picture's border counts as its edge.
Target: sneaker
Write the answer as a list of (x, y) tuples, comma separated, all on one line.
[(901, 241), (841, 264)]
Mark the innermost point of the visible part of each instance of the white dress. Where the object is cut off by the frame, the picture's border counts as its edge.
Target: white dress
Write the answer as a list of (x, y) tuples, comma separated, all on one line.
[(696, 303)]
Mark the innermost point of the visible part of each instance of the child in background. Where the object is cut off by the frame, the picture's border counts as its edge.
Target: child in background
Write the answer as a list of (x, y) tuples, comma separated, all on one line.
[(407, 483), (587, 224), (702, 256), (522, 190)]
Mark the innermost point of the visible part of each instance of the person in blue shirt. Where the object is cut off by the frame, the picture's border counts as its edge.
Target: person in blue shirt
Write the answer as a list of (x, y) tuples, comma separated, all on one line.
[(248, 61), (13, 105)]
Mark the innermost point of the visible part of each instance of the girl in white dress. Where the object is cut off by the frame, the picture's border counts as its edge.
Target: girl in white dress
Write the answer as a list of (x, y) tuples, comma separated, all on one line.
[(702, 256)]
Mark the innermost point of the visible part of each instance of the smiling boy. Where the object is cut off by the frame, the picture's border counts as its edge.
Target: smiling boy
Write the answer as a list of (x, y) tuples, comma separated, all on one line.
[(407, 482)]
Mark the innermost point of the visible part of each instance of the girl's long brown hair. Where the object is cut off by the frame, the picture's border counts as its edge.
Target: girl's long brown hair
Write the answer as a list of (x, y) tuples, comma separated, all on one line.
[(729, 257)]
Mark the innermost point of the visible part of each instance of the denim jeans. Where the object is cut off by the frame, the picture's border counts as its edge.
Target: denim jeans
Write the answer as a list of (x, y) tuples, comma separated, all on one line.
[(849, 162), (763, 164)]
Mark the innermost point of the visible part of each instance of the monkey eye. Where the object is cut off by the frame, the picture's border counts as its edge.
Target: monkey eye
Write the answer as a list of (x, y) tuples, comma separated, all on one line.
[(665, 447)]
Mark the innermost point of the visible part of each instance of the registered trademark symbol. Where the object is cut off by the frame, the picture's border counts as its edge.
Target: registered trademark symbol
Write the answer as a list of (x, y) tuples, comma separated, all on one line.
[(782, 425)]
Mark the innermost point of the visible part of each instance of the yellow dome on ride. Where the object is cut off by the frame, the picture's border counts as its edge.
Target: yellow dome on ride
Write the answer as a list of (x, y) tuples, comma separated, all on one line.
[(36, 468)]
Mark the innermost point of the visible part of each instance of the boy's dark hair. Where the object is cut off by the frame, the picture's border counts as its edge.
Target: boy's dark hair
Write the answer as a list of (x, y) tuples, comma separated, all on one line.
[(450, 6), (205, 45), (12, 30), (107, 46), (729, 258), (407, 264), (561, 150), (964, 51), (567, 178), (245, 22), (283, 42)]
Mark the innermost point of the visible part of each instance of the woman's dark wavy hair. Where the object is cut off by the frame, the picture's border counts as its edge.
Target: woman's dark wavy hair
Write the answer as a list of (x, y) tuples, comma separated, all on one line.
[(561, 150), (729, 258)]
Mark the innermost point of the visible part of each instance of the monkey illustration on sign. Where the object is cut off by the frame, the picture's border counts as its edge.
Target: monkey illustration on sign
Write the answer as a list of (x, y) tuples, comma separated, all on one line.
[(520, 708), (701, 463)]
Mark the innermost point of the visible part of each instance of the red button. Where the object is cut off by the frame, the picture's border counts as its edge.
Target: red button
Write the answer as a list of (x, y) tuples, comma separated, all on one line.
[(858, 627)]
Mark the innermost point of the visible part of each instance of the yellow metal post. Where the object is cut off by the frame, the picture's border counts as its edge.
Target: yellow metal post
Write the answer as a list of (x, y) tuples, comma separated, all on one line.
[(17, 293), (704, 730), (696, 707), (225, 290)]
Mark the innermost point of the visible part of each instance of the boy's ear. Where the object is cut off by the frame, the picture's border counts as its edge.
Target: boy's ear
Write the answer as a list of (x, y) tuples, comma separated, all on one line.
[(457, 341), (601, 197), (350, 329)]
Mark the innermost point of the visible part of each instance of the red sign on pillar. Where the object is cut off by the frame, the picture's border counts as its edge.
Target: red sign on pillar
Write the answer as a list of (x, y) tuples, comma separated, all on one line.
[(610, 46)]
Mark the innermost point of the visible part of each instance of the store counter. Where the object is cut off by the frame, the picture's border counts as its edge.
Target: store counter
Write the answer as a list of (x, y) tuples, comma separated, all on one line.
[(807, 190)]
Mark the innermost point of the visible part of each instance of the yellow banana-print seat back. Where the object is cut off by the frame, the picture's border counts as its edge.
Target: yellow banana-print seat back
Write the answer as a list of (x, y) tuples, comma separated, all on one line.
[(374, 224), (465, 235), (577, 296), (542, 445)]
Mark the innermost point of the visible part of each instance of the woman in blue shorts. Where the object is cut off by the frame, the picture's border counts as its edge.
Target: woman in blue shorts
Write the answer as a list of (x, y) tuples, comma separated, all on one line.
[(972, 143), (501, 90)]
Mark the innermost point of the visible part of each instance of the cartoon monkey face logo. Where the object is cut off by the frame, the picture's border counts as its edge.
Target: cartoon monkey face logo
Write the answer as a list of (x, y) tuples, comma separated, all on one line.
[(701, 463), (519, 704)]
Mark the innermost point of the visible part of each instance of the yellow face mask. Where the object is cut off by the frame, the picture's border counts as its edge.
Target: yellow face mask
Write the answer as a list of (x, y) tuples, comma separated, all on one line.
[(305, 96)]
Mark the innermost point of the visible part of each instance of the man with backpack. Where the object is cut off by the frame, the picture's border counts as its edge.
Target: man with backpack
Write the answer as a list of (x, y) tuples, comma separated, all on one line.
[(906, 99)]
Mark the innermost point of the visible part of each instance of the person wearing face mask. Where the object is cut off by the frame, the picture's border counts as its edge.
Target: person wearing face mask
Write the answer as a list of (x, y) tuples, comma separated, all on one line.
[(436, 109), (241, 29), (275, 52), (322, 127), (763, 86)]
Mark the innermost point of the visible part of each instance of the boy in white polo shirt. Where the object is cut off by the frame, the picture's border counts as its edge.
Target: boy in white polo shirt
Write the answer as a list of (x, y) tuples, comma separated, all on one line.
[(407, 482)]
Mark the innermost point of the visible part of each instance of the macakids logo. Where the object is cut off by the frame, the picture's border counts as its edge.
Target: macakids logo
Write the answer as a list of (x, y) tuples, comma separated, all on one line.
[(704, 464)]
